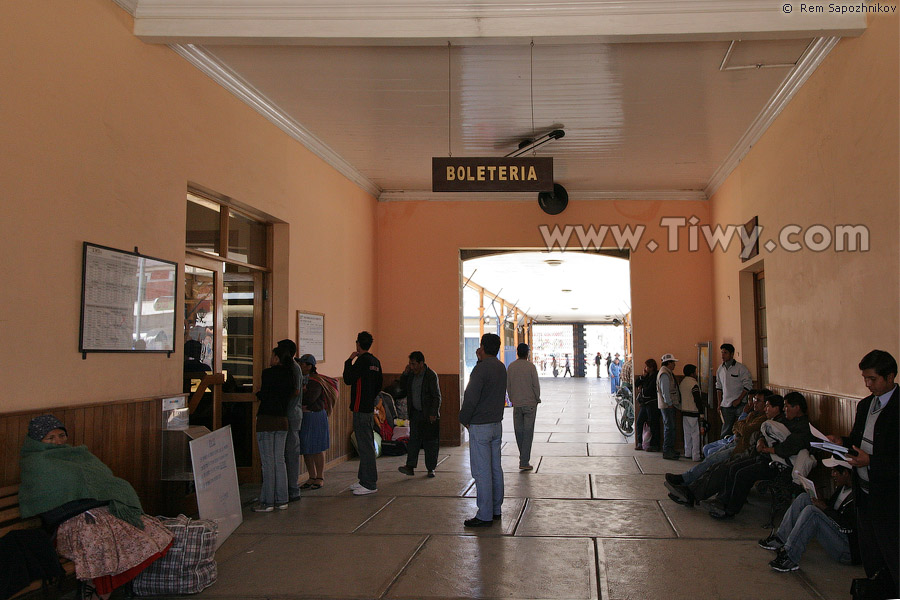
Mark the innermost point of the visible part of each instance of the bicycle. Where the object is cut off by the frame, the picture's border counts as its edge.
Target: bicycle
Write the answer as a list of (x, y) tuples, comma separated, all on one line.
[(624, 412)]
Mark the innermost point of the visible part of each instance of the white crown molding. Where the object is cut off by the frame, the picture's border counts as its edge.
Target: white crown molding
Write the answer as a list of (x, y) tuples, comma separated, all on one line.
[(807, 64), (233, 82), (436, 21), (129, 6), (575, 196)]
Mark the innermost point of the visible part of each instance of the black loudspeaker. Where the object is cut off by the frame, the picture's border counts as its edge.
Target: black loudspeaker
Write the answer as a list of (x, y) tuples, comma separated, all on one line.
[(554, 202)]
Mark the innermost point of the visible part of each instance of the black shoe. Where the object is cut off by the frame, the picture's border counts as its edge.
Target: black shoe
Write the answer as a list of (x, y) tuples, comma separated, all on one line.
[(674, 479), (294, 498), (678, 500), (430, 474), (476, 522), (652, 449), (406, 470), (783, 564), (671, 455), (773, 542), (682, 492), (498, 517), (721, 514)]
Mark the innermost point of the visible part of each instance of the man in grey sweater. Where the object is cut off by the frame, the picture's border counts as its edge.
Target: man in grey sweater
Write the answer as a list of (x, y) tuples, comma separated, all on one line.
[(482, 414), (525, 394)]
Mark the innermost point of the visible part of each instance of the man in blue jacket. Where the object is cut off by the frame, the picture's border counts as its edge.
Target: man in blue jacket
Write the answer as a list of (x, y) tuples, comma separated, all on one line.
[(482, 414)]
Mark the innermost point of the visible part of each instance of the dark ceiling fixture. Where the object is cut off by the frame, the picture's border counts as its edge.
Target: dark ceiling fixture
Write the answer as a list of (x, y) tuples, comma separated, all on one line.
[(527, 145), (554, 202)]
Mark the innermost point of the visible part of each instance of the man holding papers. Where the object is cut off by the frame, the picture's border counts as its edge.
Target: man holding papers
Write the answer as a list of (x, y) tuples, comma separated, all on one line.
[(876, 474)]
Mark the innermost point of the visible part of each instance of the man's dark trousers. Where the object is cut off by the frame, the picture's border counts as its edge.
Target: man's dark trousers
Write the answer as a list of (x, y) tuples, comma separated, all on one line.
[(365, 445), (422, 434)]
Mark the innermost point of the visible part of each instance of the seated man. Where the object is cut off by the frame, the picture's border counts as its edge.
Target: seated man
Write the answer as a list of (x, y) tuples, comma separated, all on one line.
[(782, 440), (833, 523), (744, 430), (728, 440)]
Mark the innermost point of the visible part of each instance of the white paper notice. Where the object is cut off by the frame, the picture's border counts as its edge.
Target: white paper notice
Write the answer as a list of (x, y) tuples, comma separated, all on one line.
[(215, 476)]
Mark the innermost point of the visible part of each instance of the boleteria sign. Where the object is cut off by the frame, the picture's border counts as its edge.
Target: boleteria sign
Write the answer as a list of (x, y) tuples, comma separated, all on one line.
[(492, 174)]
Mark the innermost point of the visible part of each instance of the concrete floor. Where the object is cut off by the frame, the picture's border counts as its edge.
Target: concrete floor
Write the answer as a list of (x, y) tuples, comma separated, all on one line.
[(591, 521)]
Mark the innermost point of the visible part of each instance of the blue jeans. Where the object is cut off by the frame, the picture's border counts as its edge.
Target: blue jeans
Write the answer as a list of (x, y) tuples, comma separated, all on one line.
[(292, 462), (523, 425), (274, 473), (717, 445), (803, 522), (484, 457), (365, 445), (719, 456), (729, 416), (668, 416)]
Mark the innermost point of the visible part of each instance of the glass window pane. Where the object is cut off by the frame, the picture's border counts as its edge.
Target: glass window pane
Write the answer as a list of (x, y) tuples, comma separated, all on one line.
[(246, 239), (202, 225), (237, 344), (199, 311), (763, 326), (761, 292)]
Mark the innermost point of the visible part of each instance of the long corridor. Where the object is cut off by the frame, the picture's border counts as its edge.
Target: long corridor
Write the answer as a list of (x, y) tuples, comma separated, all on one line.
[(591, 521)]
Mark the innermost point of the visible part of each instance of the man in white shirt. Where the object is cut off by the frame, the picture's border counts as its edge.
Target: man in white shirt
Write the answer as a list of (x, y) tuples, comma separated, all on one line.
[(525, 394), (733, 382)]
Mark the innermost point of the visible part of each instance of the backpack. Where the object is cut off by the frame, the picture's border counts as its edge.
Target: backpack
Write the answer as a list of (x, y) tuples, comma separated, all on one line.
[(189, 566)]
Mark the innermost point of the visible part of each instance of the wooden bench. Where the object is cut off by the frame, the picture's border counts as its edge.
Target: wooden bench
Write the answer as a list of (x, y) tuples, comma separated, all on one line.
[(11, 519)]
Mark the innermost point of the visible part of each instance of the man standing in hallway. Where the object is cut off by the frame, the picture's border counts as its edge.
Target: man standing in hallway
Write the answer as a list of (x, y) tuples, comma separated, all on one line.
[(364, 377), (733, 382), (598, 360), (524, 391), (295, 417), (482, 414), (614, 370), (667, 398), (876, 473), (421, 386), (568, 370)]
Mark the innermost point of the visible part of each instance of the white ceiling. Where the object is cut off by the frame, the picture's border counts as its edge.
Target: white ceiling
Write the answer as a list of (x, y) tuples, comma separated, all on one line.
[(599, 287), (372, 86)]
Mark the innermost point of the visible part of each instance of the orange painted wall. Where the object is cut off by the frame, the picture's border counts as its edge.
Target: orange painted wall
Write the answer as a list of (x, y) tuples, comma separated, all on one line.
[(418, 259), (101, 136), (830, 158)]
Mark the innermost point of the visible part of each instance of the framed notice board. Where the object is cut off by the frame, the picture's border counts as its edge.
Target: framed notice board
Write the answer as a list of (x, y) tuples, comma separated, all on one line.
[(311, 334), (127, 302)]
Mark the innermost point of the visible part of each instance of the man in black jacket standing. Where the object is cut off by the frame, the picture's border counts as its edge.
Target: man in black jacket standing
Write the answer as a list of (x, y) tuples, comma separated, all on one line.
[(365, 378), (424, 400), (876, 473)]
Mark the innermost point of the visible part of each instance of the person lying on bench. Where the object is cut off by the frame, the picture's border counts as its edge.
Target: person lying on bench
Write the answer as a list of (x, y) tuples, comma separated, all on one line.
[(99, 523), (833, 523)]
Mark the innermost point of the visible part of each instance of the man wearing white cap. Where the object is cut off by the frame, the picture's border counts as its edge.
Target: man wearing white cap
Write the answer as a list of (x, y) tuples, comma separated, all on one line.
[(833, 523), (667, 397)]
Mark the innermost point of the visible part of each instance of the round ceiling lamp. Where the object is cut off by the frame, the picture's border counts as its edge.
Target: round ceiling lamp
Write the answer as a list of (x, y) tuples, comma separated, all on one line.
[(554, 202)]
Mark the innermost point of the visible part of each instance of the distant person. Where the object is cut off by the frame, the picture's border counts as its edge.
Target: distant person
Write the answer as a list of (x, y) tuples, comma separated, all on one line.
[(645, 393), (733, 382), (598, 360), (691, 409), (554, 366), (524, 392), (314, 437), (423, 394), (667, 399), (615, 369), (365, 377), (568, 370), (192, 363), (608, 362), (482, 414), (272, 428), (295, 418)]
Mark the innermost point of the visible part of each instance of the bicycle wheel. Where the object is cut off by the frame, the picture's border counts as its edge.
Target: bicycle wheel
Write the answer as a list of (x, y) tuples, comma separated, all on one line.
[(625, 418)]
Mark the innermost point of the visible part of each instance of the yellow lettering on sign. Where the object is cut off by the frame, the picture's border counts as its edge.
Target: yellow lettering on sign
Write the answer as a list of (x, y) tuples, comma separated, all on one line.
[(502, 174), (451, 174), (480, 173), (469, 174), (460, 173), (513, 173), (491, 171), (532, 176)]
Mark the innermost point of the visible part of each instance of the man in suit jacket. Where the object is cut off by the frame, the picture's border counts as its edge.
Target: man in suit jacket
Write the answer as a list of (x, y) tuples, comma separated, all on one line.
[(876, 476), (423, 395)]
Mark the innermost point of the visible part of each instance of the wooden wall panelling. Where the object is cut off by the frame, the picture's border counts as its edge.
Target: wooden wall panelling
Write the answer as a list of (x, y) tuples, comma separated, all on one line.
[(450, 403), (830, 414)]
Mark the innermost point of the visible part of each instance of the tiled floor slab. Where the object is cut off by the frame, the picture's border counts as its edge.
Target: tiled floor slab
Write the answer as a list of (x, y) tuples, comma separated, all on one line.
[(444, 483), (607, 465), (500, 567), (340, 514), (653, 462), (439, 516), (701, 567), (552, 427), (599, 438), (549, 449), (594, 518), (528, 484), (314, 566), (616, 449), (623, 487), (509, 436), (509, 463), (696, 523)]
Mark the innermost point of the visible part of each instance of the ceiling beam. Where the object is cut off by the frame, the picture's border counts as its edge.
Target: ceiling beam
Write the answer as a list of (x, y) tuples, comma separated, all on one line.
[(427, 22)]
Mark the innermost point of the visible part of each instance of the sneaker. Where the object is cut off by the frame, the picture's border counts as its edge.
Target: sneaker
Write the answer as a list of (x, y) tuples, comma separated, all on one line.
[(773, 542), (362, 491), (281, 506), (407, 470), (681, 492), (431, 473), (262, 508), (674, 479), (356, 486), (783, 564), (526, 468)]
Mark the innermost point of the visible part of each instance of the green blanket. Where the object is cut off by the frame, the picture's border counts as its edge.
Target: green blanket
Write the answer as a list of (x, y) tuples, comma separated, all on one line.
[(53, 475)]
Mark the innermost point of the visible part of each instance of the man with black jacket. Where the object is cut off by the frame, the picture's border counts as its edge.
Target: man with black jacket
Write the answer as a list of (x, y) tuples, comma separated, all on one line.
[(876, 475), (833, 523), (364, 377), (424, 400)]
